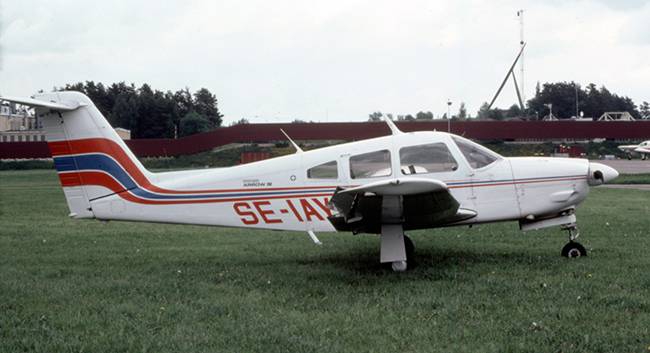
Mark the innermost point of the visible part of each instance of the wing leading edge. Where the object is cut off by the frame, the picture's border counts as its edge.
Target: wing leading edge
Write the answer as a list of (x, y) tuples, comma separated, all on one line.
[(415, 203)]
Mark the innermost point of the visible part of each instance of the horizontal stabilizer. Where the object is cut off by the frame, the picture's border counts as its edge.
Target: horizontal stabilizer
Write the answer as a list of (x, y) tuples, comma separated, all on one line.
[(63, 105)]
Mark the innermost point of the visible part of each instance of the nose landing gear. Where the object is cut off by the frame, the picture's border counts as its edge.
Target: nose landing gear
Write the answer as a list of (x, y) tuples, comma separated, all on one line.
[(573, 249)]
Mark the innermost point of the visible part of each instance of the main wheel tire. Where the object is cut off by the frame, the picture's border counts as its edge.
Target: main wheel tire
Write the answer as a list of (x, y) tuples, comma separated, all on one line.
[(574, 250), (399, 266), (410, 252)]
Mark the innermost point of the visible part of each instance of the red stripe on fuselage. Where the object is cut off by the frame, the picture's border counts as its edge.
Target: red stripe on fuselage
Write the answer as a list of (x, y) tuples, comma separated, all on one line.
[(104, 146), (115, 151), (478, 183), (105, 180)]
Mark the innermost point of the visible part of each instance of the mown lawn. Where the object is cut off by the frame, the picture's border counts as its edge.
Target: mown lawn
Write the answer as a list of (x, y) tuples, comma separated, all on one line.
[(73, 285)]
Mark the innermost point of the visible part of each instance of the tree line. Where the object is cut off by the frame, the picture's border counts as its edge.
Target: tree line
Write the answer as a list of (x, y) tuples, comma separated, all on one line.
[(150, 113), (567, 99)]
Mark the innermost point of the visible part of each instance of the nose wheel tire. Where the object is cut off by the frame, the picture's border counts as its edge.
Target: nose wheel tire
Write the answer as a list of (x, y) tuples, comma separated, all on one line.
[(574, 250)]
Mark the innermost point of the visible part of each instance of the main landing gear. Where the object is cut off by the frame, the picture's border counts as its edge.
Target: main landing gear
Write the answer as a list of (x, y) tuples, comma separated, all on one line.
[(399, 266), (396, 248), (573, 249)]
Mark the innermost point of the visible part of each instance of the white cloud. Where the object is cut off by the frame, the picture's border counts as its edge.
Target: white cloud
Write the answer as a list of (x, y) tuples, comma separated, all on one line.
[(335, 60)]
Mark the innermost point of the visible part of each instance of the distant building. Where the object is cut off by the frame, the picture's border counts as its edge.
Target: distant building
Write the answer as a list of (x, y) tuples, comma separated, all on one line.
[(19, 125), (123, 133), (573, 151), (22, 136)]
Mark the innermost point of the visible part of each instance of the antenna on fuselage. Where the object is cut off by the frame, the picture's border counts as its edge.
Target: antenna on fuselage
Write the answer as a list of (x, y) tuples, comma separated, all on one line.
[(392, 126), (298, 150)]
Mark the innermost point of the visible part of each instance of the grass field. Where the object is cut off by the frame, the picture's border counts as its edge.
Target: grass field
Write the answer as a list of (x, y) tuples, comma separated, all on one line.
[(71, 285)]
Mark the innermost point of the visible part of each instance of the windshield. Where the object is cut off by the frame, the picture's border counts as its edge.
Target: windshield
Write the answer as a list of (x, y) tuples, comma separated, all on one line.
[(477, 155)]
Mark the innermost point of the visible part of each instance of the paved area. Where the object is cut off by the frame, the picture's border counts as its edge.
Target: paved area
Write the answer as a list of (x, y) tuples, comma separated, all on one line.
[(626, 186), (624, 166)]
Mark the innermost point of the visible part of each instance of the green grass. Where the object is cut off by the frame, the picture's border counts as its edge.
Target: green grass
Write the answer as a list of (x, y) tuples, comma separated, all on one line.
[(71, 285)]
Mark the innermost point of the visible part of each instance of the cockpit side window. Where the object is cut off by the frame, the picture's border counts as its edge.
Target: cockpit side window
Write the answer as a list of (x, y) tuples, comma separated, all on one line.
[(370, 165), (327, 170), (477, 156), (430, 158)]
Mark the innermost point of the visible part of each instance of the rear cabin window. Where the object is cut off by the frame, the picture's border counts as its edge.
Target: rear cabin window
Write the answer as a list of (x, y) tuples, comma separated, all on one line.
[(370, 165), (327, 170), (477, 155), (430, 158)]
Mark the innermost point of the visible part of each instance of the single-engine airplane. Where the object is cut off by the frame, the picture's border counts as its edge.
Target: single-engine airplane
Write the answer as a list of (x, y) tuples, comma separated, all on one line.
[(643, 149), (385, 185)]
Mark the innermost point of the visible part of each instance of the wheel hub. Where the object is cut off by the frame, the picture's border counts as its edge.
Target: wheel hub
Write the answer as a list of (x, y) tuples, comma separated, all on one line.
[(573, 253)]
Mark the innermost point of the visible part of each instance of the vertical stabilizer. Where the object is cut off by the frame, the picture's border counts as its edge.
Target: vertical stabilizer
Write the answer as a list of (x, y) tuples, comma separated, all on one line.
[(92, 160)]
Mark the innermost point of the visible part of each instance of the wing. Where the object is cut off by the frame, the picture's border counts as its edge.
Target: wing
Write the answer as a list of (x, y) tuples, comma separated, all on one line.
[(416, 203), (642, 150)]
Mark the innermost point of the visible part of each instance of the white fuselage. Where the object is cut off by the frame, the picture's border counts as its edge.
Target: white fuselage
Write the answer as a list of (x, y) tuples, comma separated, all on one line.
[(279, 194)]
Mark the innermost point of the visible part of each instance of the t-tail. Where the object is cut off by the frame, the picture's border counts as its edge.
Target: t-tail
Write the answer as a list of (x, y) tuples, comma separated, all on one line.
[(91, 159)]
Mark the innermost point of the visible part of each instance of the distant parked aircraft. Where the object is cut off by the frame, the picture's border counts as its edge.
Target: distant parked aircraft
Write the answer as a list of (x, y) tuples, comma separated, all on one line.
[(643, 149)]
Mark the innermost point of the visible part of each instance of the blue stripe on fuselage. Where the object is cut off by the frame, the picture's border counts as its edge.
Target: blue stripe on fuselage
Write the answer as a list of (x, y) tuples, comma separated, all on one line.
[(105, 164)]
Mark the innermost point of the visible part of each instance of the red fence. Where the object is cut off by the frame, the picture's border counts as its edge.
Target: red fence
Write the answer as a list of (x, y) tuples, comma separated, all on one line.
[(636, 130), (24, 150)]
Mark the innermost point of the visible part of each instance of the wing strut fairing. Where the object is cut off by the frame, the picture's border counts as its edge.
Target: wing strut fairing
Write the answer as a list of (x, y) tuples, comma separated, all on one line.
[(391, 206), (422, 203)]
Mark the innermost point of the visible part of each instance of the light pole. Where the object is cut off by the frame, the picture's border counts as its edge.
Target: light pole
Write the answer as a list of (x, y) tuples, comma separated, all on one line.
[(448, 115), (577, 112)]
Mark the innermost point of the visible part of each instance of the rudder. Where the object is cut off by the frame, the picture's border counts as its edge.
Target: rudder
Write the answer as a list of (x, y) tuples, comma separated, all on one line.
[(92, 161)]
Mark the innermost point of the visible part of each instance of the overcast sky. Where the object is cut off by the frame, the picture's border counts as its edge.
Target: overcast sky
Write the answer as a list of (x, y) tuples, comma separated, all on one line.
[(334, 60)]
